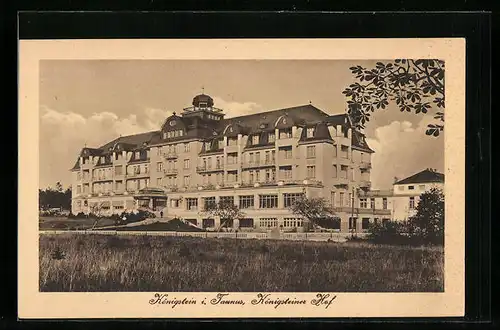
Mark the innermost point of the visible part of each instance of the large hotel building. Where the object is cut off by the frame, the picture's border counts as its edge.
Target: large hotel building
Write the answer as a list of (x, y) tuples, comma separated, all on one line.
[(260, 162)]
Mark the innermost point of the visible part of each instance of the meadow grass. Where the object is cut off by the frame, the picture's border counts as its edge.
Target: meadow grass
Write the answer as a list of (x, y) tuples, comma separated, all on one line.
[(100, 263)]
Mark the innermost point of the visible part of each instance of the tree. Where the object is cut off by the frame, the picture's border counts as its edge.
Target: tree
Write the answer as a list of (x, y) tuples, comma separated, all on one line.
[(52, 198), (415, 86), (226, 211), (428, 223), (97, 210), (314, 210)]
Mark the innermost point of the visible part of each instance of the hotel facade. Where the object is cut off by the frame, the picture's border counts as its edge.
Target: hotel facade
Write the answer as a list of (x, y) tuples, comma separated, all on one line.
[(259, 162)]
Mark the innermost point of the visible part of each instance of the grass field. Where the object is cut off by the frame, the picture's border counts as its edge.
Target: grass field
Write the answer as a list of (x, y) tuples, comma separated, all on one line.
[(51, 223), (174, 264)]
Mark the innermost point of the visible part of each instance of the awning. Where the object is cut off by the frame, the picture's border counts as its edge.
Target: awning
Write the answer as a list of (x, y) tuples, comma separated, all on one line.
[(105, 204)]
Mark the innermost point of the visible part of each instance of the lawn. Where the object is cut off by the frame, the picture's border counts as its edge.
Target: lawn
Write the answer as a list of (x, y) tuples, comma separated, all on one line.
[(71, 262), (58, 223)]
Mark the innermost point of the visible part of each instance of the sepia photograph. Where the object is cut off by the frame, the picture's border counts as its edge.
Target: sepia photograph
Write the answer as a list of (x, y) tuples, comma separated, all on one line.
[(242, 175), (285, 181)]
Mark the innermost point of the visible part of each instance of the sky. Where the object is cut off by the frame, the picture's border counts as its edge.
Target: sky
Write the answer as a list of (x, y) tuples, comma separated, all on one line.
[(90, 102)]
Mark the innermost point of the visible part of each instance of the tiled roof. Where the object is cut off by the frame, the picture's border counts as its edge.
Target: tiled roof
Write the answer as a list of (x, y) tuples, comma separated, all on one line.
[(135, 140), (359, 142), (425, 176)]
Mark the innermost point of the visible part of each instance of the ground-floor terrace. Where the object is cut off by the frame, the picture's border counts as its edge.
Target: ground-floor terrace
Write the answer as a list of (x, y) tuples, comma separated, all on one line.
[(263, 208)]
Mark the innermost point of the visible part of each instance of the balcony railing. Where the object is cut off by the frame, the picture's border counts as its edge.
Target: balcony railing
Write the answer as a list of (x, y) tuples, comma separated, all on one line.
[(365, 184), (137, 174), (365, 165), (262, 163), (170, 155), (170, 171), (362, 211), (339, 181), (209, 168)]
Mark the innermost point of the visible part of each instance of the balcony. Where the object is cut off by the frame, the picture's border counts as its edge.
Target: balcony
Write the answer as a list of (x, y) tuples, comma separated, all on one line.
[(264, 163), (170, 155), (170, 171), (341, 181), (365, 165), (138, 174), (232, 148), (365, 184), (361, 211), (101, 178), (207, 169)]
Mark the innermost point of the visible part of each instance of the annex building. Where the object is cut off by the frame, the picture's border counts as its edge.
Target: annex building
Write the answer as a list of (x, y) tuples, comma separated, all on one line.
[(259, 162)]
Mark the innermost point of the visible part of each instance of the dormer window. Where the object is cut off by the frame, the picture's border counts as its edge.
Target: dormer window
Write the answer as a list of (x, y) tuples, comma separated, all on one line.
[(271, 137), (207, 146), (285, 133), (103, 159), (255, 139), (203, 105), (310, 132), (137, 155)]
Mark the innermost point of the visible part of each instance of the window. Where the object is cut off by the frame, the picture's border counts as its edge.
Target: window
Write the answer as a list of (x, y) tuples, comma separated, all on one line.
[(411, 187), (118, 170), (174, 203), (286, 152), (207, 146), (158, 182), (271, 138), (310, 132), (186, 164), (335, 151), (343, 171), (421, 187), (292, 222), (311, 172), (208, 202), (268, 201), (251, 177), (137, 155), (158, 151), (118, 185), (412, 203), (344, 152), (289, 199), (341, 199), (78, 176), (255, 139), (191, 204), (103, 160), (232, 158), (286, 172), (311, 151), (186, 181), (208, 223), (257, 174), (363, 203), (186, 147), (352, 223), (246, 223), (384, 203), (78, 189), (334, 171), (365, 223), (372, 203), (247, 202), (232, 141), (332, 199), (257, 158), (227, 200), (220, 144), (268, 222), (118, 207), (270, 175), (401, 188), (159, 167), (285, 133)]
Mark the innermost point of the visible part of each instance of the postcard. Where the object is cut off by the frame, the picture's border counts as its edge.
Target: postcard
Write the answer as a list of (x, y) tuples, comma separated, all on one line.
[(241, 178)]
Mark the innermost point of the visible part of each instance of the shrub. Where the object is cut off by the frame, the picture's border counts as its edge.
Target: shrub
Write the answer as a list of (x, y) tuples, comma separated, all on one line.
[(388, 232)]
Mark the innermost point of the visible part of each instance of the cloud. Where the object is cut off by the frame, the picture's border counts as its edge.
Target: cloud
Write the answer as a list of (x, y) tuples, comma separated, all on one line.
[(63, 134), (402, 149), (234, 109)]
